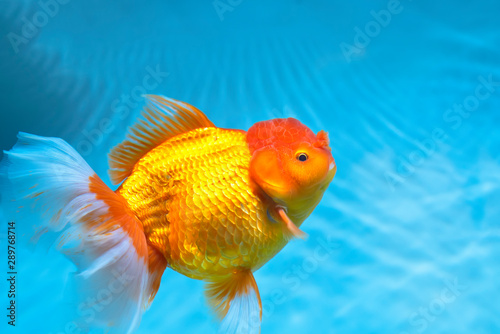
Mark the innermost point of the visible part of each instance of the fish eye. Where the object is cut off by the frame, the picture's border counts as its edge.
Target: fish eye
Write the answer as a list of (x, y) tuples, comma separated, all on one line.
[(302, 156)]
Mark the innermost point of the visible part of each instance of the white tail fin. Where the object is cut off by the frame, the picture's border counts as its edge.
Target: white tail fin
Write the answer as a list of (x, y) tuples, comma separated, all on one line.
[(98, 231)]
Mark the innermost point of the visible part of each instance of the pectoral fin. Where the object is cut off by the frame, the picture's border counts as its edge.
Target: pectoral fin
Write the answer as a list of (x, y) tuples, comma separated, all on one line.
[(290, 225)]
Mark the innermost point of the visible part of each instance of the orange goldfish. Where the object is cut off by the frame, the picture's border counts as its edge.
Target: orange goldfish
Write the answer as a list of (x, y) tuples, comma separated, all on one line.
[(213, 204)]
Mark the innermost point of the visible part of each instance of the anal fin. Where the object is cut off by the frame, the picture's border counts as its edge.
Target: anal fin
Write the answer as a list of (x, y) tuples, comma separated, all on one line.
[(236, 301), (156, 266)]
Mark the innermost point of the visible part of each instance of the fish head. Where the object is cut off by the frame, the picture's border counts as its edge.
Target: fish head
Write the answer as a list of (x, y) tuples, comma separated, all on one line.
[(291, 164)]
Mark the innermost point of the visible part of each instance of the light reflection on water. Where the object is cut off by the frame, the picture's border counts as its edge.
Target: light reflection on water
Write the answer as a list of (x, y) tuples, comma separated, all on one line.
[(413, 210)]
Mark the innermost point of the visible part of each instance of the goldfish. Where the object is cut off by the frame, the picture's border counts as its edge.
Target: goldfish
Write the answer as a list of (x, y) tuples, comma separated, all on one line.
[(211, 203)]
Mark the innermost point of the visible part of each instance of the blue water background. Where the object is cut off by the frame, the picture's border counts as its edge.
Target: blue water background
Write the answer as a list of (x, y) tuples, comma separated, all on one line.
[(411, 220)]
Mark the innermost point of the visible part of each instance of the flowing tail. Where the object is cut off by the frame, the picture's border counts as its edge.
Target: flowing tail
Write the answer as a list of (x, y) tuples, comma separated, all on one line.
[(118, 272)]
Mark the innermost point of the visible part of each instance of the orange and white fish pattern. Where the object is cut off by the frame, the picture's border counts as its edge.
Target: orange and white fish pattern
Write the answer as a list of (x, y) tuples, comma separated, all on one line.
[(213, 204)]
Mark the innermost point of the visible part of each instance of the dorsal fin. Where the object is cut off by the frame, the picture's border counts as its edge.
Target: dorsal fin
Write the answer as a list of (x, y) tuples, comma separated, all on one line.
[(162, 119)]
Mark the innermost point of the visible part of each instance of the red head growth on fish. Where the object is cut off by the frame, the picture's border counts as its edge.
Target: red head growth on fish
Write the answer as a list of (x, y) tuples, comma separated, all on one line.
[(289, 162)]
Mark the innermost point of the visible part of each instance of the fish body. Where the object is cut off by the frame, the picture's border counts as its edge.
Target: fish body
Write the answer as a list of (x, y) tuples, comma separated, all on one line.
[(199, 206), (213, 204)]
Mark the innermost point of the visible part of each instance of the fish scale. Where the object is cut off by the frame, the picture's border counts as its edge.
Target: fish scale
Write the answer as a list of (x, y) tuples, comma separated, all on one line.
[(194, 197)]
